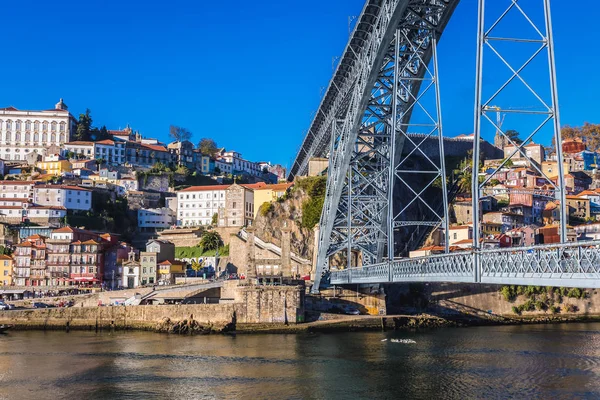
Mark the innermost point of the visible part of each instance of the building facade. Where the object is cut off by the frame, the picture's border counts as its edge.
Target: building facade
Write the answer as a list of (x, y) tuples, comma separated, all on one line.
[(197, 205), (24, 131), (152, 219)]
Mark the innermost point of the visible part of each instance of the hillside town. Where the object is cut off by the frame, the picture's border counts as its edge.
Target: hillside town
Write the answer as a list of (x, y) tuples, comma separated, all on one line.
[(86, 208), (520, 206)]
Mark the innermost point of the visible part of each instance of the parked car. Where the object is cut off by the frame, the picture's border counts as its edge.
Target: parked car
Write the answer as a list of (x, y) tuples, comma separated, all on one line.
[(4, 306), (41, 305), (352, 311)]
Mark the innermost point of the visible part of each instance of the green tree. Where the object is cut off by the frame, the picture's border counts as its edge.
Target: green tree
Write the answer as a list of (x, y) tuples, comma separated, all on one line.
[(217, 170), (207, 146), (211, 240), (215, 219), (84, 126), (179, 134), (514, 136), (196, 266)]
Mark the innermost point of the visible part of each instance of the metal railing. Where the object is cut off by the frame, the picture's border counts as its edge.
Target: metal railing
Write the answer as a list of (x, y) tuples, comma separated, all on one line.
[(571, 264)]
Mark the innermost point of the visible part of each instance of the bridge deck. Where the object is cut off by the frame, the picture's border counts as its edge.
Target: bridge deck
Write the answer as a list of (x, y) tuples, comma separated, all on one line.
[(569, 265)]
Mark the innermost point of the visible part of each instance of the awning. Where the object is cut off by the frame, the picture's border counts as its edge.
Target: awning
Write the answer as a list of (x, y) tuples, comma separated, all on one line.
[(13, 291)]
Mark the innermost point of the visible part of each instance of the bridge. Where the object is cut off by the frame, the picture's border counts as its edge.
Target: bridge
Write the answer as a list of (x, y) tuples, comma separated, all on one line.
[(386, 193)]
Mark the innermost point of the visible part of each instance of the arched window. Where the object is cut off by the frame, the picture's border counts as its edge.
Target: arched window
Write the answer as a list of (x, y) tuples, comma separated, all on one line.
[(27, 125), (53, 126), (18, 137), (8, 137), (36, 137), (8, 125), (27, 136), (53, 138), (44, 137), (18, 125), (62, 126), (62, 138), (36, 126), (45, 126)]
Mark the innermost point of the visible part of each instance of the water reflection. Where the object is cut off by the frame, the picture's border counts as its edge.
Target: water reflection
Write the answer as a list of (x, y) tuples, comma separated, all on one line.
[(558, 361)]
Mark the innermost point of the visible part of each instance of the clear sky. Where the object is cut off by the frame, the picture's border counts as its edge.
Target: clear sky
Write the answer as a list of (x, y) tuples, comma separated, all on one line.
[(246, 73)]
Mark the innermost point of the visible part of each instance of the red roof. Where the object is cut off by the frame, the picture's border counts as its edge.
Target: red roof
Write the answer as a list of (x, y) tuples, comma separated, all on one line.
[(11, 108), (17, 183), (205, 188), (107, 141), (153, 147), (80, 143), (66, 229)]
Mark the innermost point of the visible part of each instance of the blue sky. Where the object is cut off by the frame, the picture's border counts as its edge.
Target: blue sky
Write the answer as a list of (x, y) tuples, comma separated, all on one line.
[(247, 74)]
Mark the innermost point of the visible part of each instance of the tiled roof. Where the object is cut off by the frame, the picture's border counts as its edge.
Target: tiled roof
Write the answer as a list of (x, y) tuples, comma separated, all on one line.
[(66, 229), (205, 188), (106, 141), (79, 143)]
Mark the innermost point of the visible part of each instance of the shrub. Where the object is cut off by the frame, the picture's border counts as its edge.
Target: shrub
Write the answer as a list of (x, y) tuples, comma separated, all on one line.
[(569, 308), (516, 310), (311, 212), (554, 309), (265, 209), (539, 305), (508, 293), (529, 305)]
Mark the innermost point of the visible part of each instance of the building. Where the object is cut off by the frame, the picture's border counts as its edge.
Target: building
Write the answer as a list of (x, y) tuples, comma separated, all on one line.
[(458, 234), (533, 151), (264, 193), (223, 167), (168, 271), (182, 153), (87, 164), (578, 207), (508, 220), (26, 212), (156, 252), (113, 264), (6, 270), (588, 231), (30, 262), (463, 212), (153, 219), (197, 205), (594, 198), (17, 189), (111, 151), (523, 236), (146, 155), (69, 197), (131, 272), (54, 167), (239, 207), (238, 164), (25, 131)]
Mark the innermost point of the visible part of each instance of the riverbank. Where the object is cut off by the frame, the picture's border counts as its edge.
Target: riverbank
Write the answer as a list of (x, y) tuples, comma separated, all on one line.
[(213, 319)]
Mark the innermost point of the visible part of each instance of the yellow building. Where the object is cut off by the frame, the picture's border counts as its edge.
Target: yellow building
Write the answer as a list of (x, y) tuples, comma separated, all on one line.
[(54, 167), (169, 270), (264, 193), (6, 266)]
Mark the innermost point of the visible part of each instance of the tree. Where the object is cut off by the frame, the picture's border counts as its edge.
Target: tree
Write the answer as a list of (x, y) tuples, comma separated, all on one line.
[(179, 134), (196, 266), (589, 133), (514, 136), (207, 146), (215, 219), (70, 155), (211, 241), (99, 162), (84, 126), (217, 170)]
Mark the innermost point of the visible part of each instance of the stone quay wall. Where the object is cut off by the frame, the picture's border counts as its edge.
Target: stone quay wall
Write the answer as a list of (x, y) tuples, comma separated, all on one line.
[(252, 305)]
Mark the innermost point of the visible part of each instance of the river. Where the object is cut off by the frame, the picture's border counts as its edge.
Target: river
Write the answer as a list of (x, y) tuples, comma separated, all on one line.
[(522, 362)]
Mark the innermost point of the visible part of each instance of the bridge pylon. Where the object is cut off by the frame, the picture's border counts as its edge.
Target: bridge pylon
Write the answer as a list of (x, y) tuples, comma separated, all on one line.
[(377, 149)]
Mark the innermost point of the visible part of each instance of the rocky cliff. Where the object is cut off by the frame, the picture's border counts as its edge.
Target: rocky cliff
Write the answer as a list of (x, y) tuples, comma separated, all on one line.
[(271, 219)]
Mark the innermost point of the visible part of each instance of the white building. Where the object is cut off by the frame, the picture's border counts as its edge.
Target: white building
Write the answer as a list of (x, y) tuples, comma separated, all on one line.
[(155, 218), (196, 205), (16, 189), (238, 164), (87, 149), (111, 151), (70, 197), (223, 166), (24, 131)]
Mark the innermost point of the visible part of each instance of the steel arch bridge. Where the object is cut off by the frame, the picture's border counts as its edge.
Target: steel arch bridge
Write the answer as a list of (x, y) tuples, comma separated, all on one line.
[(379, 202)]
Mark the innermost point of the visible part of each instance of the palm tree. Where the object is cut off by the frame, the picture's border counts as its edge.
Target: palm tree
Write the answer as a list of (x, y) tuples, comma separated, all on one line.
[(211, 241), (196, 266)]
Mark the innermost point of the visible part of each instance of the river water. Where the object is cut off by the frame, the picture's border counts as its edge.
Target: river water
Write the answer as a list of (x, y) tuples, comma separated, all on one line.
[(520, 362)]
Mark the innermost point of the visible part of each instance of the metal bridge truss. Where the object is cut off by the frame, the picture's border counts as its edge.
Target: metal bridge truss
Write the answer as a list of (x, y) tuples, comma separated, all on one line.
[(369, 137), (568, 265), (363, 125)]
